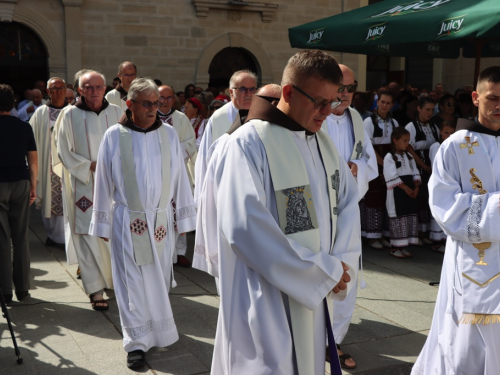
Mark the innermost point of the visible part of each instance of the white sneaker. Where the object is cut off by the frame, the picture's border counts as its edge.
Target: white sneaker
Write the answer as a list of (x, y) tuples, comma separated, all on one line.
[(385, 243), (376, 245)]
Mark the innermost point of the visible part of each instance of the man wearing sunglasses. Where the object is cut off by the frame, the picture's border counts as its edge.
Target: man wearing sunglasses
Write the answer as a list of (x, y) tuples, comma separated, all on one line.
[(77, 135), (127, 72), (288, 228), (187, 137), (243, 85), (140, 176), (345, 127)]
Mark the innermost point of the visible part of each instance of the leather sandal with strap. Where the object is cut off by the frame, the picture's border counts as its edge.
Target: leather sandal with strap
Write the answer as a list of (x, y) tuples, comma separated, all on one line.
[(343, 358)]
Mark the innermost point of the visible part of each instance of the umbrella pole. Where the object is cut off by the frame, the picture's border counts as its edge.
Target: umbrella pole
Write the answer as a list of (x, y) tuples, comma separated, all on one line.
[(479, 47)]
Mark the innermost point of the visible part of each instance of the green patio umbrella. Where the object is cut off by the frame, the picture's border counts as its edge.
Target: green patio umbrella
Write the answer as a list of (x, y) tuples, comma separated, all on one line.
[(437, 29)]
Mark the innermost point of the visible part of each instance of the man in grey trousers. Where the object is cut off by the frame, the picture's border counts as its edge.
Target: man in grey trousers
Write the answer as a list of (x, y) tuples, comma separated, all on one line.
[(18, 173)]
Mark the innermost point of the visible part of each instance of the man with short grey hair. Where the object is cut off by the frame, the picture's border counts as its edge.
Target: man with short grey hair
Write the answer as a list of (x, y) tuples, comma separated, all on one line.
[(77, 136), (127, 72), (140, 171)]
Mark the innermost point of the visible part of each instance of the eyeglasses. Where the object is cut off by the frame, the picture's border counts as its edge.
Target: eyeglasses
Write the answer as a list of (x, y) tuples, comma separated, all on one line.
[(320, 105), (244, 90), (350, 88), (148, 105), (162, 99), (94, 88), (60, 89), (129, 75)]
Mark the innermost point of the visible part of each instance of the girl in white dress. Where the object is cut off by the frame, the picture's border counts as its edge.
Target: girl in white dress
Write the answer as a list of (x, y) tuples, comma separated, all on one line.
[(403, 180)]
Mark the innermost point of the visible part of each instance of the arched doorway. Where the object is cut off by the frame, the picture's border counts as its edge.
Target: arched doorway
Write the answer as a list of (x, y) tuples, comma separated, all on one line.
[(23, 57), (227, 61)]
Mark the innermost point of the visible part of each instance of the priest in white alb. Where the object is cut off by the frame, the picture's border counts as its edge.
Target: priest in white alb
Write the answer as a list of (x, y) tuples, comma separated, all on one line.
[(78, 133), (288, 223), (187, 138), (242, 87), (345, 127), (140, 175), (205, 257), (127, 72), (464, 199), (49, 186)]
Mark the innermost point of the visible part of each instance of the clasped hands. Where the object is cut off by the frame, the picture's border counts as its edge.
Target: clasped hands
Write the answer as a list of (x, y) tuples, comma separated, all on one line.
[(342, 284)]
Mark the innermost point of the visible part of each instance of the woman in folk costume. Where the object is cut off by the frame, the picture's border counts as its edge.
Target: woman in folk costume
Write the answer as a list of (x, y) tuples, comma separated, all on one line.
[(423, 134), (379, 127), (436, 234), (403, 180)]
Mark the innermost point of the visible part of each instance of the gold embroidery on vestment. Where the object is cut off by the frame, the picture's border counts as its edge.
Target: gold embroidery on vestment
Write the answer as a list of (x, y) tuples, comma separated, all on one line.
[(478, 283), (476, 182), (469, 145), (483, 319)]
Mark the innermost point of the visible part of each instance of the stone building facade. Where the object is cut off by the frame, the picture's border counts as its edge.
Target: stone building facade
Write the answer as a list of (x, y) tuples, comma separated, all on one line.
[(177, 40)]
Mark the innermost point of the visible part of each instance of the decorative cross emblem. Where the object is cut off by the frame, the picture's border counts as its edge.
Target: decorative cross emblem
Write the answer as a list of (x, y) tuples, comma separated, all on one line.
[(336, 187), (359, 149), (160, 233), (138, 226), (469, 145), (83, 203)]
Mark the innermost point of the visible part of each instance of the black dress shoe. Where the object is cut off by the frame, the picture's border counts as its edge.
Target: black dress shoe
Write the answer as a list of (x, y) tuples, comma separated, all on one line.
[(22, 295), (7, 298), (136, 359)]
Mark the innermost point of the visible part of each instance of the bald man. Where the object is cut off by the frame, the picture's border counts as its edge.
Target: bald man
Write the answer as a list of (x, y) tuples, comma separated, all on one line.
[(187, 137), (127, 72), (242, 87), (29, 109), (77, 135), (205, 256), (345, 127), (49, 188)]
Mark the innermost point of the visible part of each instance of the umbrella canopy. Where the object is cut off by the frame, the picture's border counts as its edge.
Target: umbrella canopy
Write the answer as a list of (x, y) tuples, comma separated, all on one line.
[(438, 28)]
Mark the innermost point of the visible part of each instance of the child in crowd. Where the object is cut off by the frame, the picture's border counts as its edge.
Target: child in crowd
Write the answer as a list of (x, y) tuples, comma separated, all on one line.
[(436, 233), (402, 179)]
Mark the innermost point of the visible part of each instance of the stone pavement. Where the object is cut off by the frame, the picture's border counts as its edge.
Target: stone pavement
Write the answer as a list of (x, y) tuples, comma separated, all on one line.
[(59, 333)]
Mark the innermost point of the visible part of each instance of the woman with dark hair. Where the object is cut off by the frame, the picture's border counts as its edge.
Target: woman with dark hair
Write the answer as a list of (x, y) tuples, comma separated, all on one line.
[(182, 97), (446, 106), (189, 91), (408, 111)]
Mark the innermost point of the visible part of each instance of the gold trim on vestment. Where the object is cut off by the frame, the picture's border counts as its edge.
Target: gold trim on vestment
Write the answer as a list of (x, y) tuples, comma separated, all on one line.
[(478, 283), (483, 319)]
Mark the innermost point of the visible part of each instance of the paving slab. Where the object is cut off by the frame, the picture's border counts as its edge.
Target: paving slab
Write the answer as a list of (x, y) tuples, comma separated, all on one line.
[(59, 333)]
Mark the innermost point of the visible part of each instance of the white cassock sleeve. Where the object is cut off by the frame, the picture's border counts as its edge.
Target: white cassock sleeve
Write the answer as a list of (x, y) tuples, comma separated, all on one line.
[(23, 113), (256, 239), (187, 138), (200, 167), (103, 193), (367, 167), (77, 165), (453, 209), (369, 127)]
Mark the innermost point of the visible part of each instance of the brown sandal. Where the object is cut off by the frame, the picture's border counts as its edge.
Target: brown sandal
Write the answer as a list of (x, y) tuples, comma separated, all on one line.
[(343, 358)]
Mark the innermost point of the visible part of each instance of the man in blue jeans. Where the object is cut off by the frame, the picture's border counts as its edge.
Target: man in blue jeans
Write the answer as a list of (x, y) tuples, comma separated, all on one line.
[(17, 193)]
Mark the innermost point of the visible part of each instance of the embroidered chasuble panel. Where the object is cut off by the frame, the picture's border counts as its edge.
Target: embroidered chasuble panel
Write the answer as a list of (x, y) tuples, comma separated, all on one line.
[(480, 261), (296, 209)]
